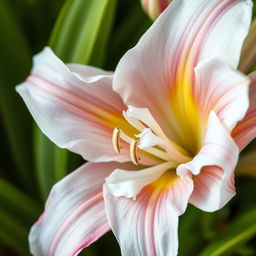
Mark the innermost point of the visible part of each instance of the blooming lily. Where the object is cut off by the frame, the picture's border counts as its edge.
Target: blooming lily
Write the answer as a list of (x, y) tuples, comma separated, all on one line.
[(164, 130)]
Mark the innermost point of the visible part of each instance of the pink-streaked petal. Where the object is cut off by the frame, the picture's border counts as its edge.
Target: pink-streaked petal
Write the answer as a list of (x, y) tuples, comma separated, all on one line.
[(74, 106), (228, 25), (248, 55), (223, 90), (213, 168), (162, 63), (245, 131), (128, 183), (74, 215), (149, 224)]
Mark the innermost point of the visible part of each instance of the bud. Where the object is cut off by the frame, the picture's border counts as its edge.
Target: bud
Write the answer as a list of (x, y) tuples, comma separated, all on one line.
[(154, 7)]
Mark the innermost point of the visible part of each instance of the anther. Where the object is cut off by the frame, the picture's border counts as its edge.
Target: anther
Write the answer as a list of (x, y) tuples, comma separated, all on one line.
[(116, 140), (134, 152)]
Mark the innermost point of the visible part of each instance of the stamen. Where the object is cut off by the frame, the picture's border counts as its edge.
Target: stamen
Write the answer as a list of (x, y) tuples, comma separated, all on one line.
[(134, 152), (116, 140), (153, 151), (143, 115)]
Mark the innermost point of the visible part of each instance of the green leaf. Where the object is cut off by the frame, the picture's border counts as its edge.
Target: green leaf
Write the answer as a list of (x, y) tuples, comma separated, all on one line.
[(80, 35), (17, 213), (13, 233), (208, 224), (82, 30), (190, 235), (18, 204), (242, 229), (51, 162), (15, 61), (129, 30)]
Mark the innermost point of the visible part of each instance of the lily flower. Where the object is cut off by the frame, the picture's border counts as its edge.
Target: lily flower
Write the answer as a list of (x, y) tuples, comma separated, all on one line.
[(154, 7), (164, 130)]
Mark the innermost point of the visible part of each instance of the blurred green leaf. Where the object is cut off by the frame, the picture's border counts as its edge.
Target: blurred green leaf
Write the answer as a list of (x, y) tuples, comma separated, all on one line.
[(131, 26), (190, 233), (80, 35), (242, 229), (14, 65), (208, 224), (17, 204), (17, 213), (51, 162), (245, 250), (13, 233), (82, 30)]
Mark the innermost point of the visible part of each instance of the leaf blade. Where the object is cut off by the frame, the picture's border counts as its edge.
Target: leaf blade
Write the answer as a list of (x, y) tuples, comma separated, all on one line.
[(240, 231)]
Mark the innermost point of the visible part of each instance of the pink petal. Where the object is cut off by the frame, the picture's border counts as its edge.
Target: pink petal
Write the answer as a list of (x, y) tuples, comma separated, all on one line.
[(163, 61), (214, 168), (74, 215), (149, 224), (245, 131), (223, 90), (74, 106)]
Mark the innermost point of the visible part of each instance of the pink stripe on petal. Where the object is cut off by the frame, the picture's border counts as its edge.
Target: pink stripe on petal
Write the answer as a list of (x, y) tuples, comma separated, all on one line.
[(223, 90), (245, 131), (213, 168), (160, 68), (70, 221), (74, 215), (102, 230), (149, 224), (75, 107)]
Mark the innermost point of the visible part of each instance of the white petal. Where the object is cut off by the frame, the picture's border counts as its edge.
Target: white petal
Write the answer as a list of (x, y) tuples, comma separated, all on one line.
[(149, 139), (77, 111), (221, 89), (74, 215), (245, 131), (129, 183), (163, 61), (149, 224), (214, 166)]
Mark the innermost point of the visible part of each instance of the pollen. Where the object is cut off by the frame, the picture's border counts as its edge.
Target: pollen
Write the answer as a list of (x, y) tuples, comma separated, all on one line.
[(116, 140)]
